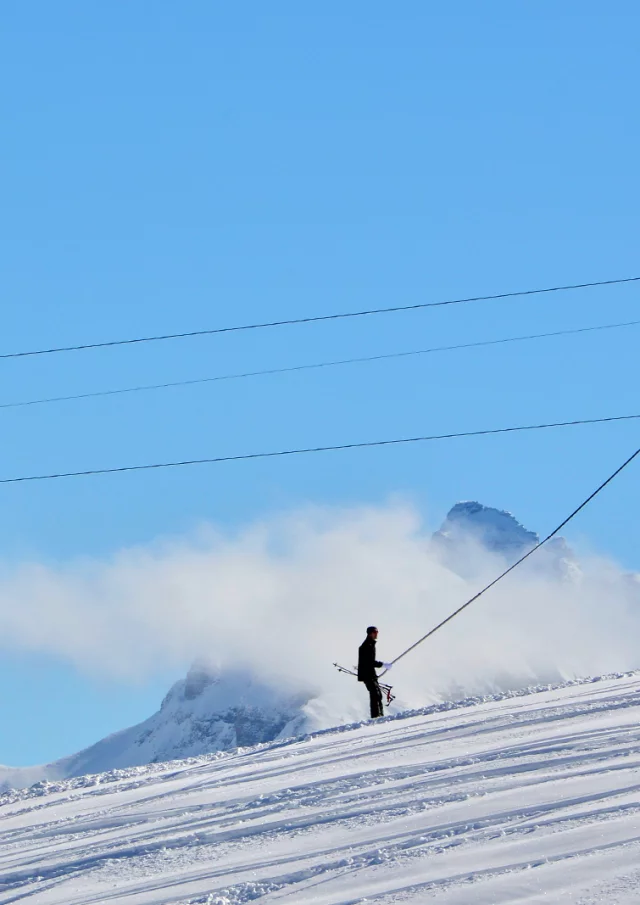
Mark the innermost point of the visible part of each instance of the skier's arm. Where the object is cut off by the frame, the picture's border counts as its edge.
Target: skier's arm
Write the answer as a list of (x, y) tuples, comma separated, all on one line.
[(378, 664)]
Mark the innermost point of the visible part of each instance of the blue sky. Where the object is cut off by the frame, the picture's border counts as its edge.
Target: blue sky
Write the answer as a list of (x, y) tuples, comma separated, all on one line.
[(173, 167)]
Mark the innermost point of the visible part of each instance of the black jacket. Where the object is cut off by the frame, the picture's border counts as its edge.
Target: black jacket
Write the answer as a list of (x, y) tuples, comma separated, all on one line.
[(367, 662)]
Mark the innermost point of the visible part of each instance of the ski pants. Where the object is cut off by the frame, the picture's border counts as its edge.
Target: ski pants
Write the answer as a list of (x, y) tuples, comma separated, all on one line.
[(375, 696)]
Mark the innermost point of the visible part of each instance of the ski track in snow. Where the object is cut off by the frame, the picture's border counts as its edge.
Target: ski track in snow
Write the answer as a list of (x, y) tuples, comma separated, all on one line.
[(525, 799)]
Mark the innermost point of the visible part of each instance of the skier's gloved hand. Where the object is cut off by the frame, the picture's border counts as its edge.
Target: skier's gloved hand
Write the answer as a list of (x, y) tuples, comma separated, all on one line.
[(387, 666)]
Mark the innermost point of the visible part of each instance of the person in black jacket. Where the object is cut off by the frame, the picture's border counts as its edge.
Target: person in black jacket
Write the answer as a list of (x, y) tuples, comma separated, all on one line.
[(367, 665)]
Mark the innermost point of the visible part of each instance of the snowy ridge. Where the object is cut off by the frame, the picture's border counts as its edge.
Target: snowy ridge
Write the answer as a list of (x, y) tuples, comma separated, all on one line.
[(202, 713), (532, 798)]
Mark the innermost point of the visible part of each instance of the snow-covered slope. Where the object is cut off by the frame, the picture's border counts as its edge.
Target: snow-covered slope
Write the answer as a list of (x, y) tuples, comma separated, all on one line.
[(205, 712), (530, 799)]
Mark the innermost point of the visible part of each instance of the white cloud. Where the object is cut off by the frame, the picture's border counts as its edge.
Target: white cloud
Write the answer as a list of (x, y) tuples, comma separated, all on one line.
[(291, 595)]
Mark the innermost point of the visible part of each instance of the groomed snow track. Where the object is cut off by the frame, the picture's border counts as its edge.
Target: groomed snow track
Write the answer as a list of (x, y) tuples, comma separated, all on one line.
[(526, 799)]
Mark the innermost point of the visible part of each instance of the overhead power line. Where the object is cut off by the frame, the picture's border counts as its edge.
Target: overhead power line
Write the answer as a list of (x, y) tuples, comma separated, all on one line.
[(314, 449), (315, 319), (521, 560), (313, 366)]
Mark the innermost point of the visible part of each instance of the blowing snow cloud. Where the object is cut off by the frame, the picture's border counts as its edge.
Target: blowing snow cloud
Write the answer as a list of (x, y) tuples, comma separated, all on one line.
[(286, 597)]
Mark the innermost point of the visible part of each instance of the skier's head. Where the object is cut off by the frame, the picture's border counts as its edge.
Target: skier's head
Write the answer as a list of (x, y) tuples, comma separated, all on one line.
[(372, 631)]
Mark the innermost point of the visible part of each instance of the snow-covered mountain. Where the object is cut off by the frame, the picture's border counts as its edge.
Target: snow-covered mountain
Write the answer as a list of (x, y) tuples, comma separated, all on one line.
[(472, 530), (496, 530), (203, 713)]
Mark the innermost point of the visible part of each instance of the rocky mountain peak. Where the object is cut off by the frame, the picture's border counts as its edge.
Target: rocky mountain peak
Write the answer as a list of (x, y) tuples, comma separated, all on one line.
[(471, 529), (496, 529)]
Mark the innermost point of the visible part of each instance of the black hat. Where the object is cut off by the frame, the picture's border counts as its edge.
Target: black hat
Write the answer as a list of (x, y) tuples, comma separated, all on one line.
[(371, 628)]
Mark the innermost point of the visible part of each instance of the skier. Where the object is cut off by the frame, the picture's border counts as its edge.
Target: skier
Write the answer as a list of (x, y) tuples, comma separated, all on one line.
[(367, 665)]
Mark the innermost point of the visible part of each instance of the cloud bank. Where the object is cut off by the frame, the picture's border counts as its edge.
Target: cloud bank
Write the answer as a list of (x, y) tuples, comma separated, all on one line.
[(288, 596)]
